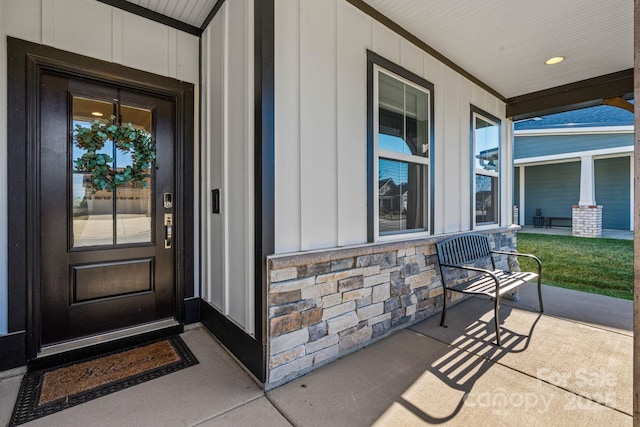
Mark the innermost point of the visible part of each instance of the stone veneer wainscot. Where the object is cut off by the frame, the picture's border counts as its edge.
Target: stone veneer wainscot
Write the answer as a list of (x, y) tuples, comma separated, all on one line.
[(325, 304)]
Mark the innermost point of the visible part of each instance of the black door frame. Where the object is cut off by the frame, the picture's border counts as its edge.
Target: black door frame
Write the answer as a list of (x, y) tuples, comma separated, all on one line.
[(26, 62)]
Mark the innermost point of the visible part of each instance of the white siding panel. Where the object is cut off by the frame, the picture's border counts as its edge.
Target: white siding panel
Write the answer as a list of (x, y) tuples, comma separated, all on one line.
[(449, 157), (287, 127), (465, 154), (236, 180), (354, 33), (212, 154), (433, 71), (216, 236), (146, 45), (227, 164), (116, 35), (386, 42), (318, 123), (48, 23), (412, 58), (479, 97), (205, 219), (172, 43), (321, 125), (187, 57), (436, 70), (21, 19), (506, 164), (80, 26)]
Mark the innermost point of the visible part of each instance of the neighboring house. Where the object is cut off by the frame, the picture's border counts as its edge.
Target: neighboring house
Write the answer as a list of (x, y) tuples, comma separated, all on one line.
[(563, 158), (310, 153)]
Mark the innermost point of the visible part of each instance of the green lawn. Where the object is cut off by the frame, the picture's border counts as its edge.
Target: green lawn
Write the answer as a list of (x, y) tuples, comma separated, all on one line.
[(600, 266)]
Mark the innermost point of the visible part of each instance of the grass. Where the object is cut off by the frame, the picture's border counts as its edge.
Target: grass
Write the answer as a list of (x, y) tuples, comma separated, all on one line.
[(600, 266)]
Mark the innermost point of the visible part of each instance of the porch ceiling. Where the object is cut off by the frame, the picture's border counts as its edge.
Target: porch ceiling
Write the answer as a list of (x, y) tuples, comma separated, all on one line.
[(192, 12), (504, 43)]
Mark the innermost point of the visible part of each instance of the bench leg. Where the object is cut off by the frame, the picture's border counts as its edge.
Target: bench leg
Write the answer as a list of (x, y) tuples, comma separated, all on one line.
[(497, 318), (444, 309), (540, 294)]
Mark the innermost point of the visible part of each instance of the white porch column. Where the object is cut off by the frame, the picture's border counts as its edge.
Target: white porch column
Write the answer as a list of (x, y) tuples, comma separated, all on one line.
[(522, 194), (587, 185), (586, 215)]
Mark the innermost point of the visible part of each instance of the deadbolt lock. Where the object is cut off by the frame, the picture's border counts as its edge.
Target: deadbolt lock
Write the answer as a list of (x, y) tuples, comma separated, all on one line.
[(167, 200)]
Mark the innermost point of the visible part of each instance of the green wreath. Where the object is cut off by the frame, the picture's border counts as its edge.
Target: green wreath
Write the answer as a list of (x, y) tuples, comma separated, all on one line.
[(127, 139)]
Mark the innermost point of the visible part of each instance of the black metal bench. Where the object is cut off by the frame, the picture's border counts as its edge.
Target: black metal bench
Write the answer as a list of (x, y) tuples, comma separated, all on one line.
[(551, 219), (464, 252)]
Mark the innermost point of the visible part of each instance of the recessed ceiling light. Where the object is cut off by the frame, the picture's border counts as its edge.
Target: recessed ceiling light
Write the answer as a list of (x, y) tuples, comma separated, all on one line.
[(96, 114), (554, 60)]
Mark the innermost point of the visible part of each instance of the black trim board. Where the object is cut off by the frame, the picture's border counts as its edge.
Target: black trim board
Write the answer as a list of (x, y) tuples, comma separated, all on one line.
[(154, 16), (25, 62), (191, 310), (13, 350), (18, 272), (375, 59), (264, 157), (581, 94), (247, 350)]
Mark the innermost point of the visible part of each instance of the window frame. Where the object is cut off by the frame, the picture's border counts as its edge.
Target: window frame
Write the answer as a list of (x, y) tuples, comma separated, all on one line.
[(376, 64), (489, 118)]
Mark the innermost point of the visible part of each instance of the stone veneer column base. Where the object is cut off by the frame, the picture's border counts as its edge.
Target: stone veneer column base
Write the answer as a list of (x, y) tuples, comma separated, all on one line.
[(325, 304), (587, 221)]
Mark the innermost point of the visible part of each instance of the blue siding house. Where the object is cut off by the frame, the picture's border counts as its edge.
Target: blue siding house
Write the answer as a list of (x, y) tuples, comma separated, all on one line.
[(560, 158)]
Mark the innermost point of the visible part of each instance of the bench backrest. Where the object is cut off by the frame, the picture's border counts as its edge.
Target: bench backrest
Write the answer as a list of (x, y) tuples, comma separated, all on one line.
[(463, 249)]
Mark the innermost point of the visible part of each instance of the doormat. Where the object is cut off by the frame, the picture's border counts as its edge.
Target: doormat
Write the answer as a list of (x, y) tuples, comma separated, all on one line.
[(51, 390)]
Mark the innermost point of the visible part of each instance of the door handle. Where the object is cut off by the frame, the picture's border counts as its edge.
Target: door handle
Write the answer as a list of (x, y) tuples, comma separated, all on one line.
[(168, 231)]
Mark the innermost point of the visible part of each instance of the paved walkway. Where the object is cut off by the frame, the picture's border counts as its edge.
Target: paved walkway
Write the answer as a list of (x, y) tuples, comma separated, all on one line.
[(571, 365)]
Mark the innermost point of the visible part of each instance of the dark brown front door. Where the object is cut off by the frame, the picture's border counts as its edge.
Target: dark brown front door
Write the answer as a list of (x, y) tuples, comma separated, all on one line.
[(106, 260)]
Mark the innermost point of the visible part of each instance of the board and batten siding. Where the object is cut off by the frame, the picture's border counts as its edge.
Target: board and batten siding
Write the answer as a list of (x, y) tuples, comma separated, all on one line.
[(553, 188), (554, 144), (321, 125), (227, 250), (613, 187), (93, 29)]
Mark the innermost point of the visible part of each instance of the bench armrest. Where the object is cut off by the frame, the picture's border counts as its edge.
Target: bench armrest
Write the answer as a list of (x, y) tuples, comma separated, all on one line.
[(522, 255)]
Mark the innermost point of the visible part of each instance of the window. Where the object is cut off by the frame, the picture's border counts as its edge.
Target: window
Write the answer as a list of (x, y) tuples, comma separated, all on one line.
[(485, 185), (399, 150)]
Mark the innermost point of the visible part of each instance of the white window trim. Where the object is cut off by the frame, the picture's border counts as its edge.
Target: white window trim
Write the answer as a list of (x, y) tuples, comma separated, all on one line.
[(476, 171), (392, 155)]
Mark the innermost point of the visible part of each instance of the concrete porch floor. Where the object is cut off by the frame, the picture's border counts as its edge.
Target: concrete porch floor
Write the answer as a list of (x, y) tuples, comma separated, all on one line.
[(566, 231), (571, 365)]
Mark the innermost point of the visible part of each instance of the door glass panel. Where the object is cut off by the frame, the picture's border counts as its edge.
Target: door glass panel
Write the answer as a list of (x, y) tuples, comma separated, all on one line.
[(92, 211), (98, 219), (133, 203)]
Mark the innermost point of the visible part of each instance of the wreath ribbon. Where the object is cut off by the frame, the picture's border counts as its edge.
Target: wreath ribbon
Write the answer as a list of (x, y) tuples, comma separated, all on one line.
[(126, 138)]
